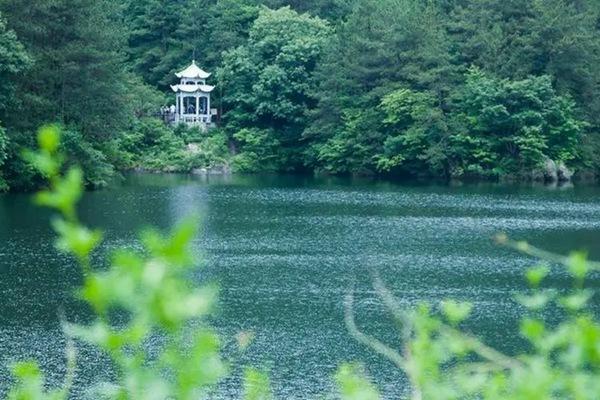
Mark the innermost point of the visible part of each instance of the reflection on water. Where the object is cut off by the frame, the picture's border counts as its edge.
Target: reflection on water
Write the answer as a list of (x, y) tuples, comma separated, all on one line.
[(284, 250)]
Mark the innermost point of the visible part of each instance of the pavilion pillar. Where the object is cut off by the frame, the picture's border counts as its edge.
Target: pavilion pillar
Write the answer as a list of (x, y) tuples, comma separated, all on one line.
[(208, 108)]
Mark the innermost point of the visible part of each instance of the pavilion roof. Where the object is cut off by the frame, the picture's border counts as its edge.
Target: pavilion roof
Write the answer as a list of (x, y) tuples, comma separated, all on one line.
[(192, 88), (193, 72)]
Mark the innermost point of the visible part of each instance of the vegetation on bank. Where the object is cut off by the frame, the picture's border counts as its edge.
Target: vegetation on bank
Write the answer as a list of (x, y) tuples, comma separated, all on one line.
[(442, 88), (147, 295), (153, 146)]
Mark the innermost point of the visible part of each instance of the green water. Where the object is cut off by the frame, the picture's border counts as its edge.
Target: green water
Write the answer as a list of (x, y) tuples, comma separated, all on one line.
[(285, 250)]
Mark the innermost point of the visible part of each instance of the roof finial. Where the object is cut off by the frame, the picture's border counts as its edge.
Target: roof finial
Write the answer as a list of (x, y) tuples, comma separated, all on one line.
[(194, 56)]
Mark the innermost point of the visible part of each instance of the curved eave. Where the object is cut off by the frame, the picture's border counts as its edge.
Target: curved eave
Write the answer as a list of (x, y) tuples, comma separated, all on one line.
[(192, 88), (195, 75)]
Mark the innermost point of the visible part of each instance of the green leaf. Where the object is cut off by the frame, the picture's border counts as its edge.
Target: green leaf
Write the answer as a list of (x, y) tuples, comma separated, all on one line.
[(49, 138), (532, 329), (578, 265), (65, 194), (455, 311), (257, 385), (76, 239), (535, 302), (353, 385), (576, 301), (535, 275)]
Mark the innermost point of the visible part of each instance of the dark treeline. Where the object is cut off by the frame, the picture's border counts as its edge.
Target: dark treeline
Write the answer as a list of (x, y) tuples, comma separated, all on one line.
[(440, 88)]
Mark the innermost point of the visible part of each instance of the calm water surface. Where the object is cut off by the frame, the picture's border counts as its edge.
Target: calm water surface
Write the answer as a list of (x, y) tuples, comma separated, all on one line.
[(284, 251)]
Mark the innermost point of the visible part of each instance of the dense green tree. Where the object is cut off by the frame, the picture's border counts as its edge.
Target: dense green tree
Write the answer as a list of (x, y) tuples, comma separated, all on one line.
[(518, 38), (157, 38), (261, 151), (165, 34), (502, 126), (383, 45), (417, 134), (332, 10), (344, 86), (3, 155), (13, 60), (267, 82), (494, 127), (357, 139), (228, 27), (77, 75)]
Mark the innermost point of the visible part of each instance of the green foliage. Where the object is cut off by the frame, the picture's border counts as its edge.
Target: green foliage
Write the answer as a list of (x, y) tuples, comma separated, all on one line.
[(158, 37), (444, 88), (148, 291), (96, 168), (267, 85), (417, 133), (353, 147), (13, 60), (353, 385), (442, 361), (142, 99), (212, 150), (382, 46), (30, 382), (494, 127), (228, 25), (410, 61), (74, 74), (256, 385), (76, 78), (158, 300), (514, 39), (512, 126), (165, 35), (261, 151), (152, 145)]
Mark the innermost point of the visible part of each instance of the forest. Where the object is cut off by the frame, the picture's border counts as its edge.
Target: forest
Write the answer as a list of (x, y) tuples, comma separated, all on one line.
[(437, 89), (300, 283)]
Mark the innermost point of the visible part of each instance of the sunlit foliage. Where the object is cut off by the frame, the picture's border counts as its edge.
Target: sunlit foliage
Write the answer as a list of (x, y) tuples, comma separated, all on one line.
[(142, 298), (443, 361)]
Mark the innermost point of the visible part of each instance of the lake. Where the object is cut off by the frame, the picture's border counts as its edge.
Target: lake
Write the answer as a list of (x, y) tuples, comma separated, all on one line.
[(285, 250)]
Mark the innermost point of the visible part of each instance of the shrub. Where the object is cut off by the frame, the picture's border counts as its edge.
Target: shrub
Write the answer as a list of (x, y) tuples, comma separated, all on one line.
[(503, 126), (152, 145), (148, 291), (261, 151), (442, 361), (97, 170)]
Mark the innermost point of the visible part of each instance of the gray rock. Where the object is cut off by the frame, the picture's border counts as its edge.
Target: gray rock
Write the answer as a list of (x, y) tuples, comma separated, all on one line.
[(220, 170), (537, 175), (587, 176), (564, 173), (550, 171), (199, 171), (215, 170)]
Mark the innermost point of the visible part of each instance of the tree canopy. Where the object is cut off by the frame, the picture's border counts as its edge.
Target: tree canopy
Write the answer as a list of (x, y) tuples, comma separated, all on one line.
[(442, 88)]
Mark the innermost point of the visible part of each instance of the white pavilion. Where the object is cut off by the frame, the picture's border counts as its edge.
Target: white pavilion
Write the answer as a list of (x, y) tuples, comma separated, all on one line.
[(193, 97)]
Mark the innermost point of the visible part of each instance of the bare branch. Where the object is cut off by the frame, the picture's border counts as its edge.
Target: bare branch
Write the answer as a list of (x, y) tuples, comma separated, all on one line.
[(483, 350), (375, 344)]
